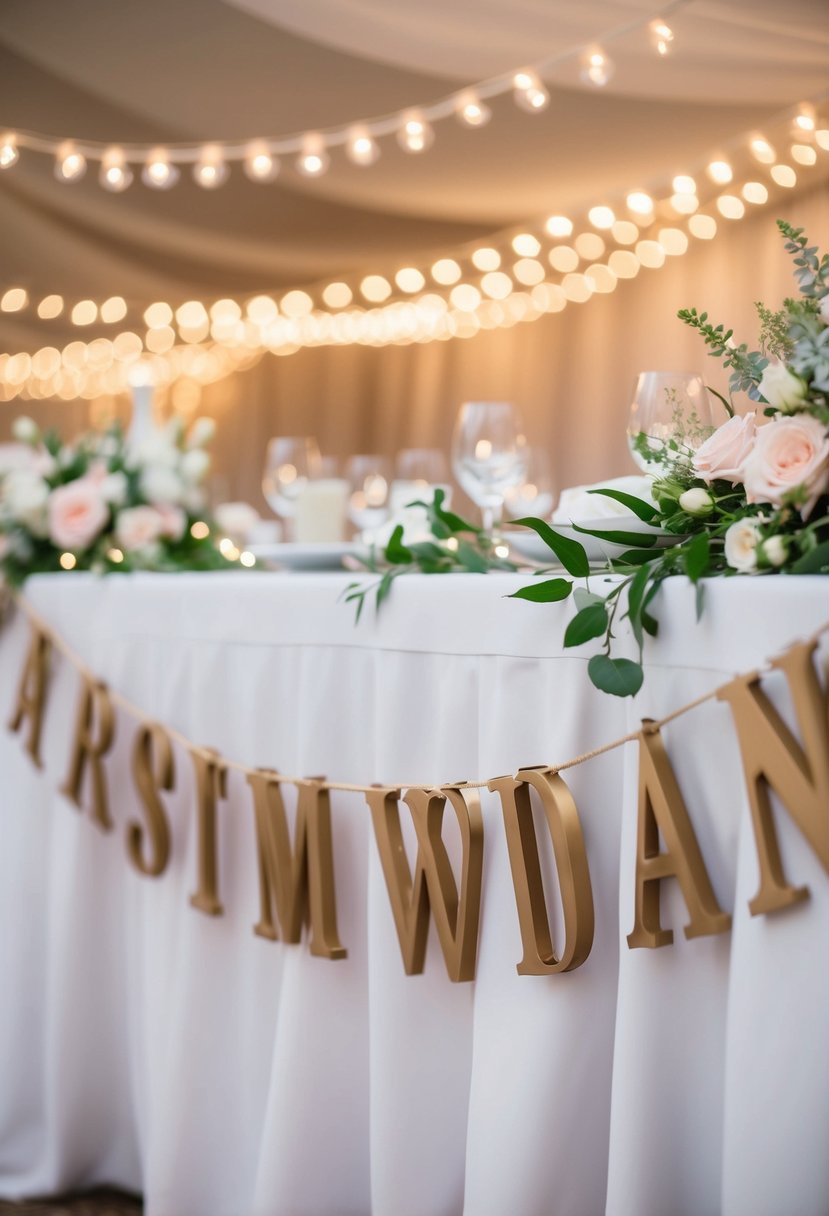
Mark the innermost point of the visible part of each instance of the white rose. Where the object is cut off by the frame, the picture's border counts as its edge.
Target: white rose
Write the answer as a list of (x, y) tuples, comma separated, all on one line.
[(236, 519), (160, 484), (781, 388), (193, 499), (25, 496), (775, 550), (696, 501), (741, 541), (156, 449), (824, 310), (114, 488), (201, 432), (25, 430), (194, 465), (137, 528)]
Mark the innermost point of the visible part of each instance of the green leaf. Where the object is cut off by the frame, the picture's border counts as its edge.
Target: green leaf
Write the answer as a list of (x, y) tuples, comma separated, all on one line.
[(816, 562), (395, 550), (569, 552), (646, 511), (584, 598), (469, 557), (634, 557), (729, 408), (546, 592), (427, 551), (700, 600), (636, 595), (697, 556), (614, 537), (590, 622), (454, 522), (619, 677)]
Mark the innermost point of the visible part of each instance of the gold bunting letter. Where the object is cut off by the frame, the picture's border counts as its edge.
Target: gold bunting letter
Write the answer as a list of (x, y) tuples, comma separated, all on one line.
[(571, 863), (211, 785), (662, 809), (153, 769), (773, 758), (300, 879), (94, 733), (31, 692), (433, 885)]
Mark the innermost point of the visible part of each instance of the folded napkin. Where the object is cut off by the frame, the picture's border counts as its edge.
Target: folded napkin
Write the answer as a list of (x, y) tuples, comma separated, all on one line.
[(577, 505)]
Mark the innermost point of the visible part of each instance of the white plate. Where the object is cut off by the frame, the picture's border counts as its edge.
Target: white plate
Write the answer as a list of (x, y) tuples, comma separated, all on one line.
[(322, 556), (529, 544)]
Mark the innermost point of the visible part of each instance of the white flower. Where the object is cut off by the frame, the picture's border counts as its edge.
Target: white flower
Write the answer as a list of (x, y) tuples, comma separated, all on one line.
[(824, 310), (201, 432), (156, 449), (25, 496), (696, 501), (138, 527), (114, 488), (161, 484), (723, 454), (780, 387), (236, 519), (789, 455), (741, 541), (192, 497), (194, 465), (25, 430), (775, 550)]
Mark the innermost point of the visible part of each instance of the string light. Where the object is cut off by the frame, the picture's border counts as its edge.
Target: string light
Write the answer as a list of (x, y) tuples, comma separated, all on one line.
[(683, 184), (720, 172), (762, 150), (471, 111), (158, 173), (14, 299), (529, 93), (50, 307), (559, 226), (803, 154), (661, 36), (805, 118), (361, 147), (486, 259), (70, 165), (601, 217), (9, 151), (526, 244), (260, 165), (115, 174), (755, 192), (415, 134), (784, 175), (639, 202), (313, 159), (210, 170), (596, 67)]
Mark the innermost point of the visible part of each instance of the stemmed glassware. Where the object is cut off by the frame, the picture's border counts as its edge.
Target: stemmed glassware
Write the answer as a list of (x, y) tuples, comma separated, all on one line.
[(669, 410), (535, 495), (368, 503), (417, 472), (289, 463), (489, 455)]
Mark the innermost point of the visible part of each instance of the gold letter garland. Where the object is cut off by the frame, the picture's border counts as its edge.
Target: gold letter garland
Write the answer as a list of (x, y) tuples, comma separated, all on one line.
[(94, 733), (211, 785), (31, 692), (571, 864), (772, 757), (153, 769), (300, 879), (433, 886)]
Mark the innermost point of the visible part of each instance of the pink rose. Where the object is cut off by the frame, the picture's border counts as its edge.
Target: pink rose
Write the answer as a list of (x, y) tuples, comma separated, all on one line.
[(77, 514), (138, 527), (789, 453), (173, 521), (722, 456)]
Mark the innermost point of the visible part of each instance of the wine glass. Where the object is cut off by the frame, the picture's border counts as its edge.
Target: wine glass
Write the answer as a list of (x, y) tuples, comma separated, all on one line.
[(670, 413), (489, 455), (368, 504), (417, 473), (535, 495), (289, 462)]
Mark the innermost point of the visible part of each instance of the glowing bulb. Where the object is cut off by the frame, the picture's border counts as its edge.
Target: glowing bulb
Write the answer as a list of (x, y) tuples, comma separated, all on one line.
[(496, 284), (762, 150), (601, 217), (191, 314), (822, 139), (465, 297), (486, 259), (661, 36), (375, 288), (684, 204), (755, 192), (85, 312), (471, 111), (313, 159), (596, 67), (14, 299), (199, 530), (446, 271), (704, 227), (361, 147), (158, 315), (805, 120), (529, 93), (731, 207), (651, 254), (639, 202), (115, 174), (70, 165), (559, 226), (410, 279), (784, 175), (49, 307), (247, 558), (296, 304), (624, 263), (337, 295), (415, 134), (9, 152), (260, 165), (528, 271), (682, 184), (526, 245), (68, 561), (803, 154), (210, 170), (625, 233), (114, 309), (589, 245), (159, 173), (720, 172), (673, 240), (563, 258)]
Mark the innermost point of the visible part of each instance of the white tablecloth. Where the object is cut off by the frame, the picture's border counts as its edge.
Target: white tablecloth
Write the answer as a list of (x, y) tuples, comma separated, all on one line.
[(145, 1044)]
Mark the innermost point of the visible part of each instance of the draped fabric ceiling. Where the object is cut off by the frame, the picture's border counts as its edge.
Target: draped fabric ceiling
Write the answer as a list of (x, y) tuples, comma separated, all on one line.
[(156, 71)]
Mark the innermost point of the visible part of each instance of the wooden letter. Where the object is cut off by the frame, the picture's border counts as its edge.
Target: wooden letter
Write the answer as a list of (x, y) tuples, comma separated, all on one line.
[(211, 785), (300, 880), (662, 809), (772, 757), (94, 733), (152, 743), (31, 693), (571, 864), (433, 886)]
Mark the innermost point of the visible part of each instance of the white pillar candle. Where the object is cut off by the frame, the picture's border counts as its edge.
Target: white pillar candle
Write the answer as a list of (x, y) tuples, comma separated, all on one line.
[(320, 511)]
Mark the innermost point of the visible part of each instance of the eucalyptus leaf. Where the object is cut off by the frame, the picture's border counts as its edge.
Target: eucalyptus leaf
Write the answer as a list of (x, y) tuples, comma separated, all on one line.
[(569, 552), (619, 677), (546, 592)]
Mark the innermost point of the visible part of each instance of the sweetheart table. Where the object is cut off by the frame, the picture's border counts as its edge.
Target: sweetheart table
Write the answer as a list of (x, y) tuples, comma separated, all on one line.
[(147, 1045)]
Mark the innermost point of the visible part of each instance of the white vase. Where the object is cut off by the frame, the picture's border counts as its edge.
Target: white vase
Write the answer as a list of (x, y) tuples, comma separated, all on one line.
[(141, 423)]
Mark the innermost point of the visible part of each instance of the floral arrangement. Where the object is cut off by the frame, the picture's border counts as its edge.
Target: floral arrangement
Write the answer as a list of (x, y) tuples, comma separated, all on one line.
[(103, 503), (749, 497)]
